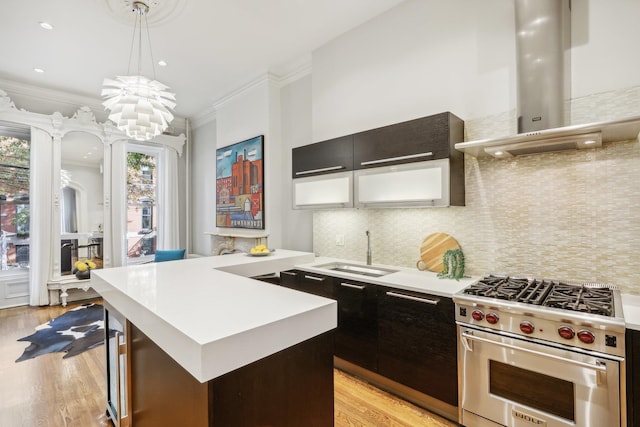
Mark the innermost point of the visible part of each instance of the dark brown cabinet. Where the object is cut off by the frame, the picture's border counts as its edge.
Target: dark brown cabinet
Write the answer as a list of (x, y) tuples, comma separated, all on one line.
[(357, 332), (417, 342), (426, 138), (331, 156), (633, 377), (293, 387), (312, 283), (407, 337)]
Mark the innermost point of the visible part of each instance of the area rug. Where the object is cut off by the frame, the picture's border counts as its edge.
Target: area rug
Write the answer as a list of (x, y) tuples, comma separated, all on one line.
[(73, 332)]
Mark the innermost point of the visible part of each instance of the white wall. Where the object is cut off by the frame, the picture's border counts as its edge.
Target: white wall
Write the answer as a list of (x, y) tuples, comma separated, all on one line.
[(603, 56), (253, 111), (296, 131), (422, 57), (203, 187)]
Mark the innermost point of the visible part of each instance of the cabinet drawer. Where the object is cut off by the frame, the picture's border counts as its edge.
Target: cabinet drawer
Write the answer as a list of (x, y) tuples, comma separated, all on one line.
[(331, 156), (312, 283)]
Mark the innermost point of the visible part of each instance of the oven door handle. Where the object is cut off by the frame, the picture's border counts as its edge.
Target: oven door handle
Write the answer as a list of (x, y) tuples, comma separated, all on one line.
[(599, 367)]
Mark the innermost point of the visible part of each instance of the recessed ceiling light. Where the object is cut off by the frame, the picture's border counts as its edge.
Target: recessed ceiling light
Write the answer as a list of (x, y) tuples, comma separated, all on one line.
[(46, 25), (38, 70), (162, 63)]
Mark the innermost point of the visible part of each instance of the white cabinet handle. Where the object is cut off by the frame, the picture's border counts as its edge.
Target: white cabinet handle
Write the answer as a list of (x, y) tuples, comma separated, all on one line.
[(331, 168), (318, 279), (395, 159), (288, 273)]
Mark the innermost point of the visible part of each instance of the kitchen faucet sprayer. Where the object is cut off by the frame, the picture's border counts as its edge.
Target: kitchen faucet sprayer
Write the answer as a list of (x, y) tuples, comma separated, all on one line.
[(368, 248)]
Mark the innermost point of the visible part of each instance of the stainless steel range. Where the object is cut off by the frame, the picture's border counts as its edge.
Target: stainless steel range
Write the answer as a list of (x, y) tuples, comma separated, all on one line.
[(537, 352)]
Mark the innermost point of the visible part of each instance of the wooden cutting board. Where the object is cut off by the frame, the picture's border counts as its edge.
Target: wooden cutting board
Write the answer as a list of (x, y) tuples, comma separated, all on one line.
[(432, 250)]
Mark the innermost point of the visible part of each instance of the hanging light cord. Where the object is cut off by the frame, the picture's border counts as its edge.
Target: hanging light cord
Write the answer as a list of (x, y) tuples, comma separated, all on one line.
[(140, 10)]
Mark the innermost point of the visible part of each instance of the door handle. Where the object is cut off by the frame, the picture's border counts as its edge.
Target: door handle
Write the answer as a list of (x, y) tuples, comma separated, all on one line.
[(331, 168), (600, 367), (395, 159), (412, 298), (351, 285)]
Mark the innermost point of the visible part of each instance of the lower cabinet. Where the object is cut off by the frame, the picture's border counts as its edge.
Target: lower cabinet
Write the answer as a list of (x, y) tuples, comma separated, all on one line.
[(417, 342), (357, 332), (632, 343), (408, 337)]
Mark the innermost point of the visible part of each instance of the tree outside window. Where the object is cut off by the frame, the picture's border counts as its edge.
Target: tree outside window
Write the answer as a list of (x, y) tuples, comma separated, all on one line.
[(14, 202), (141, 204)]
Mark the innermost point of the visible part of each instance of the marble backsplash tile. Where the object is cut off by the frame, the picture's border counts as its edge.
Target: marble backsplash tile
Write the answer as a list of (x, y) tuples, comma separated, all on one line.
[(571, 216)]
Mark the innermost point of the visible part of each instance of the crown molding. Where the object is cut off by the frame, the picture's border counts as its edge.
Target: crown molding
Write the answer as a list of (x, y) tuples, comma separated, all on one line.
[(208, 115), (264, 78), (38, 93), (296, 74)]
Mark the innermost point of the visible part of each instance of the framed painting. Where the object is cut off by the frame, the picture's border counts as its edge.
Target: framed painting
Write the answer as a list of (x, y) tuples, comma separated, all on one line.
[(240, 185)]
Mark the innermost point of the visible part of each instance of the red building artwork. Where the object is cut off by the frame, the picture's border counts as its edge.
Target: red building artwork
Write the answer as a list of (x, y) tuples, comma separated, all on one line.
[(240, 185)]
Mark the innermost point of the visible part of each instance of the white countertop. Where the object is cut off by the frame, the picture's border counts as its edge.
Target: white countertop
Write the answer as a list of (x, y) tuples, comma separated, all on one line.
[(410, 279), (631, 310), (211, 319)]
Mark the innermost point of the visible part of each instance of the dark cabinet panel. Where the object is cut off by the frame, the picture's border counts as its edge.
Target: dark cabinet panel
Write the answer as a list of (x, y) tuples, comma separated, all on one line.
[(633, 377), (293, 387), (357, 333), (426, 138), (417, 342), (316, 284), (333, 155)]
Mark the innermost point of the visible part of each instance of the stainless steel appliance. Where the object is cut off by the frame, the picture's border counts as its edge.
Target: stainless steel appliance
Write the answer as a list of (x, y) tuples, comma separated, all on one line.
[(540, 353), (118, 396)]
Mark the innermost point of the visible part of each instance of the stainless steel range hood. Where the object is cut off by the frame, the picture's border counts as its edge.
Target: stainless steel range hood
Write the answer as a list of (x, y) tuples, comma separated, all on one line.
[(543, 81), (550, 140)]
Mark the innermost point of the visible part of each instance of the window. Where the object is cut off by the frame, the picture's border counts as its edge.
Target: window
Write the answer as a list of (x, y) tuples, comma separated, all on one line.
[(141, 206), (14, 197)]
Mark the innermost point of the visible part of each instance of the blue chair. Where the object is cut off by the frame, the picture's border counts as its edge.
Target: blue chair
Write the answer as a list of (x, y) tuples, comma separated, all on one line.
[(169, 255)]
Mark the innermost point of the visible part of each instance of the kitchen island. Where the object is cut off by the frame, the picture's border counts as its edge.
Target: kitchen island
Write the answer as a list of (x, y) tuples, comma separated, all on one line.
[(208, 346)]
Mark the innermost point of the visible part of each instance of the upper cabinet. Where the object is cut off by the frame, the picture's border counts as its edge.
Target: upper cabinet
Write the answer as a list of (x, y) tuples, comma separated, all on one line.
[(322, 174), (333, 155), (408, 164), (426, 138)]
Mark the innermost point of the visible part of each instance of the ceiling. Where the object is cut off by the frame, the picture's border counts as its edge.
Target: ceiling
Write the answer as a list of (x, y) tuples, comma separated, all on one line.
[(212, 47)]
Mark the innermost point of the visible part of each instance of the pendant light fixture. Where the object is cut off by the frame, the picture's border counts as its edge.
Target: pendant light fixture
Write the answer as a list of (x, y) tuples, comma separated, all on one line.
[(138, 105)]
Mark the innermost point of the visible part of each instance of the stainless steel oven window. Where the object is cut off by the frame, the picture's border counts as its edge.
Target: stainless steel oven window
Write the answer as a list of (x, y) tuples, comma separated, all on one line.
[(546, 393)]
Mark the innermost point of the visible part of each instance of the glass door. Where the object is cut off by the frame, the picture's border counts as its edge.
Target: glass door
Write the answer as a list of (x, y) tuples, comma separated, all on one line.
[(142, 212), (14, 215)]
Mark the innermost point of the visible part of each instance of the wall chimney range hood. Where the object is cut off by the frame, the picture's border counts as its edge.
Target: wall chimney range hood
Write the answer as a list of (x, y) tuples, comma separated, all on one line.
[(543, 43)]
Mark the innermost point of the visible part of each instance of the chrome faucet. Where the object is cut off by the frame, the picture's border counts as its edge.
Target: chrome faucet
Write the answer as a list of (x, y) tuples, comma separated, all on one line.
[(368, 248)]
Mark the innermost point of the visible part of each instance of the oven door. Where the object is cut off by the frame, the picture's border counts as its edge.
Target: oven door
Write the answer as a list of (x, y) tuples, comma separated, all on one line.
[(521, 383)]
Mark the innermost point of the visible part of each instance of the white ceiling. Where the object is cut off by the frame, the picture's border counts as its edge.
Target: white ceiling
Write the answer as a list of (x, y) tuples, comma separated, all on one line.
[(212, 47)]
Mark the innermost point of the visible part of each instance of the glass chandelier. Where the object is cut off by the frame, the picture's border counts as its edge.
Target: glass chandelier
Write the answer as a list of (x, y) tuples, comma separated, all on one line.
[(138, 105)]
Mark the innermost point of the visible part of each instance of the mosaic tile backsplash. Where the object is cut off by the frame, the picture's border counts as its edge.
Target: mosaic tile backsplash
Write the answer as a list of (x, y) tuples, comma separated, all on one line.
[(570, 216)]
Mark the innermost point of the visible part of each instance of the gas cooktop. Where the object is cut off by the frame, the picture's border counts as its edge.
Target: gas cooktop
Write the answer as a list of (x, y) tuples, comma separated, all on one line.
[(596, 299)]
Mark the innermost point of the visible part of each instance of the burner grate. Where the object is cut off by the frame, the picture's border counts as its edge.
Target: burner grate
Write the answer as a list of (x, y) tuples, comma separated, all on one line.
[(585, 298), (581, 298)]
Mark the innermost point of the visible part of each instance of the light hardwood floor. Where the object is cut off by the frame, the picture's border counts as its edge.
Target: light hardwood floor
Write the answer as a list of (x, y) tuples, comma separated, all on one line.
[(49, 391)]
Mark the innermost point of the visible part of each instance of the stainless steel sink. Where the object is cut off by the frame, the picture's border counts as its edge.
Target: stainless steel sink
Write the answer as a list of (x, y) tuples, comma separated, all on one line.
[(363, 270)]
